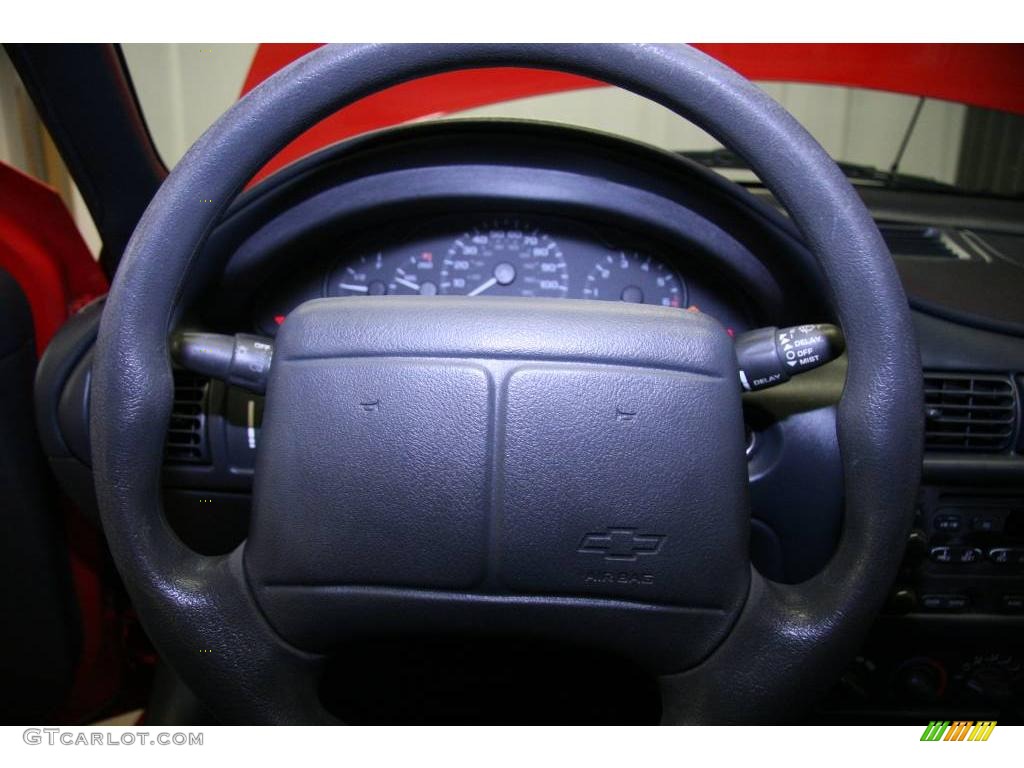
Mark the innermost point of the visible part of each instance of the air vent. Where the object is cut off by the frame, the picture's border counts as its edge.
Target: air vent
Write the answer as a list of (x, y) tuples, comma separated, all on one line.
[(965, 412), (927, 242), (186, 434)]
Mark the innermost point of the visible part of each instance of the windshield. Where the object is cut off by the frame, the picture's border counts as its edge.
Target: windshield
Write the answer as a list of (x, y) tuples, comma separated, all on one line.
[(184, 88)]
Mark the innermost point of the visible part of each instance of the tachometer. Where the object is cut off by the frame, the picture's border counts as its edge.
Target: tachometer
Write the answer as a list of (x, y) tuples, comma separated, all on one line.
[(506, 257), (415, 274), (634, 277)]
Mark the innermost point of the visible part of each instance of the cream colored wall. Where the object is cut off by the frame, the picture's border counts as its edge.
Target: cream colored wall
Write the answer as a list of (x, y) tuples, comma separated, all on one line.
[(21, 146), (183, 88), (12, 141), (855, 125)]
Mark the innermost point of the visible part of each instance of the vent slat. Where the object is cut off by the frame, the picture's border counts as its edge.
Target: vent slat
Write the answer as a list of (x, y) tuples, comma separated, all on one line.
[(186, 434), (1009, 422), (970, 407), (965, 392), (966, 412), (993, 435)]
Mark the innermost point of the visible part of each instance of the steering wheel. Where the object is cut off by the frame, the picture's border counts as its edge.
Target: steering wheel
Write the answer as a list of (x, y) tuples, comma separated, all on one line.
[(561, 468)]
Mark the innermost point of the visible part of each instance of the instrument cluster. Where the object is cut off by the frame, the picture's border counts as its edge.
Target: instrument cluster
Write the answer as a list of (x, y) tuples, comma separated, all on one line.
[(490, 255)]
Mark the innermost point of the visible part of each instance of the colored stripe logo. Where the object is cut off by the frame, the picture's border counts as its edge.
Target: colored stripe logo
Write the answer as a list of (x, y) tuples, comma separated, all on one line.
[(960, 730)]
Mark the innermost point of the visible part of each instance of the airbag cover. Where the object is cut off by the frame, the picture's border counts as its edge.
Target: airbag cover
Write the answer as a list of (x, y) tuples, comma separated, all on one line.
[(527, 449)]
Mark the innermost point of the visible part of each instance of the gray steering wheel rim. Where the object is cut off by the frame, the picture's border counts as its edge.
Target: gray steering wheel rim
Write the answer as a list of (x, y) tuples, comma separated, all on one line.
[(789, 640)]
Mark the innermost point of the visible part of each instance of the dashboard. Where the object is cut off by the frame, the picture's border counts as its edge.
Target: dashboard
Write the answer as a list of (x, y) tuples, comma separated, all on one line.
[(500, 208)]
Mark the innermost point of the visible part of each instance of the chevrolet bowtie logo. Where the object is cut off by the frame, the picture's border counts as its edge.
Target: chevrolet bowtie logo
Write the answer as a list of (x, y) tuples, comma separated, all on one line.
[(622, 544)]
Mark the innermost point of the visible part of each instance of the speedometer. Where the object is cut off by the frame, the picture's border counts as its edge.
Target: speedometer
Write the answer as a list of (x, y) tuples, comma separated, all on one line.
[(506, 257)]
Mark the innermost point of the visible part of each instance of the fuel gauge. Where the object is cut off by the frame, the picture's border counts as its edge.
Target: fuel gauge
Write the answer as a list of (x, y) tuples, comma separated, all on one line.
[(365, 276)]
